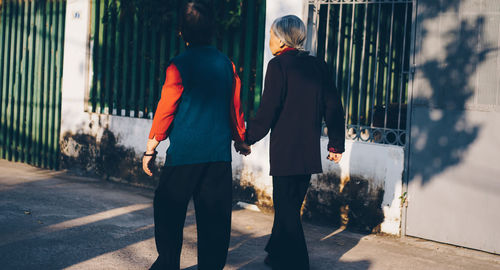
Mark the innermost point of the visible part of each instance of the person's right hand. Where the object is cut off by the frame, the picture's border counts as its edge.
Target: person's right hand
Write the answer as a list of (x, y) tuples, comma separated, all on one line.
[(147, 164), (242, 148), (335, 157)]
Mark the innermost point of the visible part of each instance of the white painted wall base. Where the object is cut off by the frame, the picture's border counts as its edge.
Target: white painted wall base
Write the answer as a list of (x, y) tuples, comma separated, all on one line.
[(381, 165)]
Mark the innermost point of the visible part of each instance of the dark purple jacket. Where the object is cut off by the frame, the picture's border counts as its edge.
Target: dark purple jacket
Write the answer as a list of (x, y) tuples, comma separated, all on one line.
[(298, 95)]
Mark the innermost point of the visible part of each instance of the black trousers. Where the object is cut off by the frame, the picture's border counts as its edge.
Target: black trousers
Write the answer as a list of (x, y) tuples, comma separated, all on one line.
[(210, 186), (287, 246)]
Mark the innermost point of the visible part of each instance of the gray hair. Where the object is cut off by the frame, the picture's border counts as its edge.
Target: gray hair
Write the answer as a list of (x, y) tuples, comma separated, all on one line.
[(290, 30)]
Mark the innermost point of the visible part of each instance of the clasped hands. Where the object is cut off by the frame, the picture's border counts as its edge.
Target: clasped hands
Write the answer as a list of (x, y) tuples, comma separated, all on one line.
[(242, 148)]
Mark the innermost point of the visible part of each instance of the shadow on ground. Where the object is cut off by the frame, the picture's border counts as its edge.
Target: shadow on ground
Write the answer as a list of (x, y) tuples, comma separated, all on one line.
[(52, 221)]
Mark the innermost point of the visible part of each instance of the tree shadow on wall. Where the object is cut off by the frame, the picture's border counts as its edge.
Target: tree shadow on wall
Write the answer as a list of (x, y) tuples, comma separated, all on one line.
[(445, 84), (102, 156)]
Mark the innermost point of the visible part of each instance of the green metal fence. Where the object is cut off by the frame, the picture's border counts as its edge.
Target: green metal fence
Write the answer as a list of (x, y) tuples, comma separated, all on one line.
[(130, 55), (31, 57), (366, 44)]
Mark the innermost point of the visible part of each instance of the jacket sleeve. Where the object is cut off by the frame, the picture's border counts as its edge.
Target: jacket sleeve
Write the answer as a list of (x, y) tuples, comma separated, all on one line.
[(333, 114), (270, 106), (237, 116), (167, 106)]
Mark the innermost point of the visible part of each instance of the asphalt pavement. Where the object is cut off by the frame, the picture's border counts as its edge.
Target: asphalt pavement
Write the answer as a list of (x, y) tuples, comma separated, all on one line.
[(53, 220)]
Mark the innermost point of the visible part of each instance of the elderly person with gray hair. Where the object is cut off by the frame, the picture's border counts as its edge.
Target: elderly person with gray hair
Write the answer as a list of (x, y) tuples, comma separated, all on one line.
[(298, 95)]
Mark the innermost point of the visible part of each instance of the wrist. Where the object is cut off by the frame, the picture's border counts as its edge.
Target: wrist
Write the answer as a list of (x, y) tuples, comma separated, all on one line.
[(152, 151)]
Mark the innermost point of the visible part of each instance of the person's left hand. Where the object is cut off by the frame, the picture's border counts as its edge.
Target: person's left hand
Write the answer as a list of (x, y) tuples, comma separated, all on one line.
[(242, 148), (335, 157)]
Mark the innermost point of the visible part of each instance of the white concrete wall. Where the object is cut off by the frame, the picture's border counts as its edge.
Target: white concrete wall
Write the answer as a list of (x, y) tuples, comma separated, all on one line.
[(382, 165), (75, 65), (77, 74)]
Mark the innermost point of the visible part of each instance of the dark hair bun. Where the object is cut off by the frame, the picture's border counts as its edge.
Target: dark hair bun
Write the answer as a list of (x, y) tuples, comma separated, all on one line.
[(198, 22)]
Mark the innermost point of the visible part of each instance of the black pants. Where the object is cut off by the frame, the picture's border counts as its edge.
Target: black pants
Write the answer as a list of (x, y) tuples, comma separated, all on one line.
[(210, 186), (287, 246)]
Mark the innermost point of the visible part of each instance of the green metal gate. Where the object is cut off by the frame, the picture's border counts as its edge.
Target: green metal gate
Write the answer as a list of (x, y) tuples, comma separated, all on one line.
[(130, 51), (31, 58), (366, 45)]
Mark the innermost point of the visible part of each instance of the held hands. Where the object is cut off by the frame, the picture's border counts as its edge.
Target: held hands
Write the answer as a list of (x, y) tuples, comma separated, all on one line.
[(335, 157), (242, 148)]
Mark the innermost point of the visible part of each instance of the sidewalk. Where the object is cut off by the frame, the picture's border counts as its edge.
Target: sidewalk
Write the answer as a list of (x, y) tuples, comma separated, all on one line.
[(50, 220)]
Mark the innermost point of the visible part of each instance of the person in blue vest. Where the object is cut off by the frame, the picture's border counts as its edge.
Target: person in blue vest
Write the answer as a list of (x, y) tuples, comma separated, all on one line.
[(200, 112), (298, 94)]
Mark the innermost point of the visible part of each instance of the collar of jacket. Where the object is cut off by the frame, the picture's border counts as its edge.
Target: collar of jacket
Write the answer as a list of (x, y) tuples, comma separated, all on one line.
[(293, 51), (288, 50)]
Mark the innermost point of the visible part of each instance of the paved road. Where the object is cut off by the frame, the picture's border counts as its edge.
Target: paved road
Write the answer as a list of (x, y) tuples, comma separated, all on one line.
[(51, 220)]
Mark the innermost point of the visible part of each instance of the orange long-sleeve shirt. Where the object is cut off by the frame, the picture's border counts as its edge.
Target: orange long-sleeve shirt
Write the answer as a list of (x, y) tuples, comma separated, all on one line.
[(170, 97)]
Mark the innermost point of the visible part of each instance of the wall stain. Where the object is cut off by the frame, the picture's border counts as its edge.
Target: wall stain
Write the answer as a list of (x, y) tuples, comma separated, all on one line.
[(85, 154), (245, 191), (349, 203)]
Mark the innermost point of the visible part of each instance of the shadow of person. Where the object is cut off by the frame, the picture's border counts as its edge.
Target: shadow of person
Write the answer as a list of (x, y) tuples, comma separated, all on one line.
[(251, 231)]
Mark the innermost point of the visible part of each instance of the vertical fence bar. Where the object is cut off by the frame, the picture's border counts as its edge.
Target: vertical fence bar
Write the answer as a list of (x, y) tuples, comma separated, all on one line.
[(12, 84), (321, 25), (12, 79), (152, 74), (30, 85), (362, 66), (10, 72), (249, 24), (381, 80), (370, 65), (101, 50), (7, 30), (330, 37), (389, 67), (144, 67), (17, 79), (7, 71), (345, 60), (348, 120), (162, 67), (116, 65), (38, 82), (125, 66), (376, 74), (59, 63), (403, 57), (94, 33), (53, 91), (260, 54), (48, 91), (45, 87), (24, 69), (327, 41), (355, 72), (338, 48), (109, 34), (3, 30), (133, 81)]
